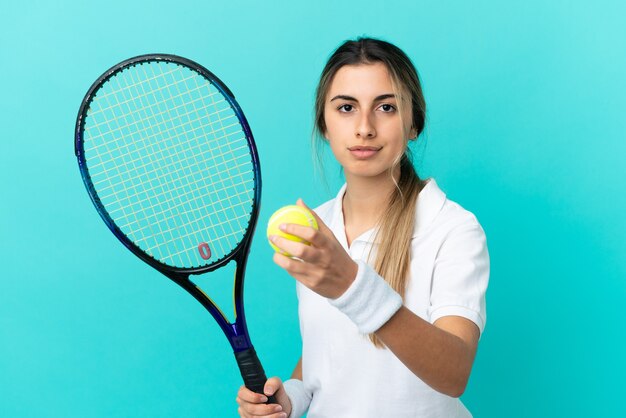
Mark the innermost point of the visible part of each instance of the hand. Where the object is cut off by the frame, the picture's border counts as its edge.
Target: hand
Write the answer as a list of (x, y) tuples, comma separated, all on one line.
[(324, 266), (252, 404)]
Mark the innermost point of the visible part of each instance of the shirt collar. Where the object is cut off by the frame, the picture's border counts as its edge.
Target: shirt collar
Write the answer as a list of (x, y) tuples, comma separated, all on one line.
[(430, 201)]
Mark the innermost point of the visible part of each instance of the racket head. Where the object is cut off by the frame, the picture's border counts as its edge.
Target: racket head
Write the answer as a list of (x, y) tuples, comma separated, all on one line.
[(169, 161)]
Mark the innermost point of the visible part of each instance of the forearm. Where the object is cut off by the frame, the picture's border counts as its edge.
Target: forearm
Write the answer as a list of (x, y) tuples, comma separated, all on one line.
[(441, 359), (297, 371)]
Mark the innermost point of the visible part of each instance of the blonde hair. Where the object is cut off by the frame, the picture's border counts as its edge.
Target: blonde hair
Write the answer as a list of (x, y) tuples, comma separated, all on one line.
[(396, 224)]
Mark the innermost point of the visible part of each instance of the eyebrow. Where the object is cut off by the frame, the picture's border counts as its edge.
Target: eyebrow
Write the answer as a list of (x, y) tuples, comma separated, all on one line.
[(352, 99)]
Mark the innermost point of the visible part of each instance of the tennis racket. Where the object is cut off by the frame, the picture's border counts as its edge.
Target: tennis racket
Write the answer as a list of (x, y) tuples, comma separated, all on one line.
[(170, 164)]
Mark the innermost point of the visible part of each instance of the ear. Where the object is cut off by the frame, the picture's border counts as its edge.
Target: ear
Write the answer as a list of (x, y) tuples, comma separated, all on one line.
[(412, 134)]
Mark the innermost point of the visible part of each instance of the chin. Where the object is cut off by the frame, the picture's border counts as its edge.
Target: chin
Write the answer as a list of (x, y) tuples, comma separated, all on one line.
[(367, 172)]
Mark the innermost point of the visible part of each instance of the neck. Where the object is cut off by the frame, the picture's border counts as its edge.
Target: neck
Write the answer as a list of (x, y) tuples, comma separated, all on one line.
[(365, 200)]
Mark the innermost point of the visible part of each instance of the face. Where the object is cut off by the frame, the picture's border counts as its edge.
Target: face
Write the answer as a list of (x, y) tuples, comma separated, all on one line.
[(363, 124)]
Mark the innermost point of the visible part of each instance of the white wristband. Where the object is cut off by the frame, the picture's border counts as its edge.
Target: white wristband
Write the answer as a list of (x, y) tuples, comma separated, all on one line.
[(369, 301), (298, 396)]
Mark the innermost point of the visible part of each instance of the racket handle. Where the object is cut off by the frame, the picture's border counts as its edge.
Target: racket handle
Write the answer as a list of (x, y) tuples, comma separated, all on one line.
[(252, 372)]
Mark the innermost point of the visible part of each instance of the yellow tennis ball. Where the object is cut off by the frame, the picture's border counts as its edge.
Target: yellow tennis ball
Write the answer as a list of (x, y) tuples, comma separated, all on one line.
[(291, 214)]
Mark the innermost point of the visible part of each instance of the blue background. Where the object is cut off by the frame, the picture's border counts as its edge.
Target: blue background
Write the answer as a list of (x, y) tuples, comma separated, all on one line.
[(526, 129)]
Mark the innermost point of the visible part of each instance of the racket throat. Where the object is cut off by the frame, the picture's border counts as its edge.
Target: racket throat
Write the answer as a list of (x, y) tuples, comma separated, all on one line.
[(239, 339), (236, 332)]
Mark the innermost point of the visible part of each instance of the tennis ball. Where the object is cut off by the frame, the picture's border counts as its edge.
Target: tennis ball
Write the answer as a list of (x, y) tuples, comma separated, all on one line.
[(291, 214)]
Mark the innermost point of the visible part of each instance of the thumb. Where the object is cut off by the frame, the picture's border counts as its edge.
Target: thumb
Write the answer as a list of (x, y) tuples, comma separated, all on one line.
[(272, 386), (320, 224)]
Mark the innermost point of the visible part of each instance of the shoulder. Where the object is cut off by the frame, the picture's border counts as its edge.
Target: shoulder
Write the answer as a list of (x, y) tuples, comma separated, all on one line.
[(439, 216), (445, 230), (455, 216), (458, 237)]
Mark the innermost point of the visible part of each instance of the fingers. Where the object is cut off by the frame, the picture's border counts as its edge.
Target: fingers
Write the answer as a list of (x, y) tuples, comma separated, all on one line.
[(252, 404), (293, 248), (266, 411), (243, 413), (317, 237), (320, 224), (295, 267), (307, 233), (247, 395)]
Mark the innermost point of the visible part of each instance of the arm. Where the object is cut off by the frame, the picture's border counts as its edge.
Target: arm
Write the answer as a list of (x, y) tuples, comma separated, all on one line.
[(297, 371), (441, 354)]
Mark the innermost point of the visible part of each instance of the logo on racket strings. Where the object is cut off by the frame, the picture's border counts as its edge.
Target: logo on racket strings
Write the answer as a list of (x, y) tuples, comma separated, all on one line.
[(204, 250)]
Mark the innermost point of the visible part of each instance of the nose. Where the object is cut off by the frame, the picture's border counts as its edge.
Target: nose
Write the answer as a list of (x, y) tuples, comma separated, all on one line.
[(365, 127)]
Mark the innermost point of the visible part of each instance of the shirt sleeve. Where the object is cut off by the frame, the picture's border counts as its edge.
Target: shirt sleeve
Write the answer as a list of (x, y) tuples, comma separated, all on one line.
[(461, 276)]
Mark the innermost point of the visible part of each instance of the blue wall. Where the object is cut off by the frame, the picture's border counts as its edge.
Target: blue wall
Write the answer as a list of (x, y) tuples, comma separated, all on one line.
[(526, 129)]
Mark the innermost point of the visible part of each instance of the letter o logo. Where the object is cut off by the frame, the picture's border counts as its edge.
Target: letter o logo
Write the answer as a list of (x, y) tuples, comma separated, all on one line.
[(204, 250)]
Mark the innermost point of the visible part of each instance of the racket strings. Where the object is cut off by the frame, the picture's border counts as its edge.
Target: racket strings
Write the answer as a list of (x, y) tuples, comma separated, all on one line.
[(169, 208), (230, 151), (145, 140), (121, 194), (149, 137), (162, 177), (168, 163), (144, 95), (166, 208), (190, 211), (132, 113)]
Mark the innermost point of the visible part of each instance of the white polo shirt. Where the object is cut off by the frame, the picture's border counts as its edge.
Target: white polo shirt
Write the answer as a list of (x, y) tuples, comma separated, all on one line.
[(349, 377)]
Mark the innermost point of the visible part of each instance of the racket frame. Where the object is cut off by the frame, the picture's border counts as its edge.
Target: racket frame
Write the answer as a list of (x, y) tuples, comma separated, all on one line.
[(236, 332)]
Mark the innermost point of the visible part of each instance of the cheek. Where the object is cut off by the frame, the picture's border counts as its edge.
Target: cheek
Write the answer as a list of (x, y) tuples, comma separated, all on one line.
[(392, 128), (337, 150), (395, 137), (335, 126)]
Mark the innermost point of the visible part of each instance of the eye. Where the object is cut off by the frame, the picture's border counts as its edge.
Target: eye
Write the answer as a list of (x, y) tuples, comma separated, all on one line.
[(387, 108), (346, 108)]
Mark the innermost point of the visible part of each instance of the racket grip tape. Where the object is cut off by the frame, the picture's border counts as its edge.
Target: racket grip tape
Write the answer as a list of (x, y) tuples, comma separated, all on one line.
[(252, 372)]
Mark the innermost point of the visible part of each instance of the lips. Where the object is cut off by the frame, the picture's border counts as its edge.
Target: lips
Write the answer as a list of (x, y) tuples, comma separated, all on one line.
[(363, 152)]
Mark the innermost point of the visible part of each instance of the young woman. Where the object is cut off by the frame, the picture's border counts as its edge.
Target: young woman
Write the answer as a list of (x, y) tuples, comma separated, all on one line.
[(391, 290)]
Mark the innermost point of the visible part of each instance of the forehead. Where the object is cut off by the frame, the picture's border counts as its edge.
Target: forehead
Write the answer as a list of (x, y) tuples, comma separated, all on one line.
[(361, 80)]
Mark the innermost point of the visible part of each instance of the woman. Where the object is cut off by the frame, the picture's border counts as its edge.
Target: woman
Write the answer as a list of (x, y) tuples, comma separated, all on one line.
[(392, 288)]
